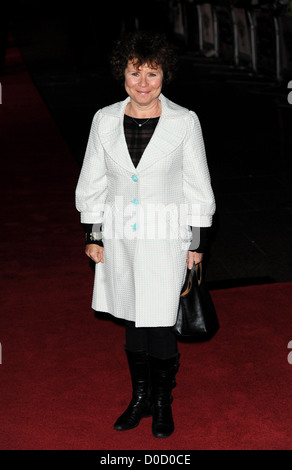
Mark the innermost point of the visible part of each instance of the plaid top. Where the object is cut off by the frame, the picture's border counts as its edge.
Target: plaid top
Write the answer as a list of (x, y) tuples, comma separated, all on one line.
[(137, 138)]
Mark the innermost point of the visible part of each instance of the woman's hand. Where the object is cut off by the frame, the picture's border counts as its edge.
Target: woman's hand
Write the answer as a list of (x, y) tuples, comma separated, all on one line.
[(194, 258), (95, 252)]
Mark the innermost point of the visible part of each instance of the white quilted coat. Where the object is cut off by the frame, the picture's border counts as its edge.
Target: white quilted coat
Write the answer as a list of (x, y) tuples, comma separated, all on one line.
[(145, 211)]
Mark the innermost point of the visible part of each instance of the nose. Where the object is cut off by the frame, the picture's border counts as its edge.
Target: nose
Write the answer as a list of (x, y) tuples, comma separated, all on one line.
[(143, 80)]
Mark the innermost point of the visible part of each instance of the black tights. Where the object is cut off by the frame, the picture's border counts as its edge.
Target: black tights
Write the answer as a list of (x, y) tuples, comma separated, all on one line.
[(157, 341)]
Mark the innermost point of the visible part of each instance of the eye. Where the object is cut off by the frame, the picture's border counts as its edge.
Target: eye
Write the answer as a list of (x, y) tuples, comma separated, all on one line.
[(135, 74), (152, 74)]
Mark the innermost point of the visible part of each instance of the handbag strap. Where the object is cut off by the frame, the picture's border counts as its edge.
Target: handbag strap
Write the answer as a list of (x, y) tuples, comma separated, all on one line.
[(199, 269)]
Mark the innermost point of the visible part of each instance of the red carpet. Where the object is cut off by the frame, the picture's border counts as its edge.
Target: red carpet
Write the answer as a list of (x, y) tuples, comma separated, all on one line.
[(64, 377)]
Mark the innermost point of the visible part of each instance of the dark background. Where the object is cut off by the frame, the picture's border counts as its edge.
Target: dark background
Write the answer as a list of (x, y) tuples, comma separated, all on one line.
[(245, 115)]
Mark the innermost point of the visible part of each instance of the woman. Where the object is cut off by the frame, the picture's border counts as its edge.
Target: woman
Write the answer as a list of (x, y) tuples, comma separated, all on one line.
[(144, 183)]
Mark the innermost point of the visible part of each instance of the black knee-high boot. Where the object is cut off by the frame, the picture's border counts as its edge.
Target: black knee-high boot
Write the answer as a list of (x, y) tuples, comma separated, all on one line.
[(139, 405), (162, 374)]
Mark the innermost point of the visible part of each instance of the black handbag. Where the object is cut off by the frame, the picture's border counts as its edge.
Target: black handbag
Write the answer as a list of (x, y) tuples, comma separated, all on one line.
[(197, 318)]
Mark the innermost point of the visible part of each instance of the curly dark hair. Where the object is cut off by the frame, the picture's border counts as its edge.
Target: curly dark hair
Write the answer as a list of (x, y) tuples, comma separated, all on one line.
[(145, 47)]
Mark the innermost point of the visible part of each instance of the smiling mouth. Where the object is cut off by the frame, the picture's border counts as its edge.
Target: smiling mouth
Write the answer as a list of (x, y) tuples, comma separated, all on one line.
[(143, 92)]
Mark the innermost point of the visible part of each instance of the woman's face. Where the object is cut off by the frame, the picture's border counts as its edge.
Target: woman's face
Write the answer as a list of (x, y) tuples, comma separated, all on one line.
[(143, 84)]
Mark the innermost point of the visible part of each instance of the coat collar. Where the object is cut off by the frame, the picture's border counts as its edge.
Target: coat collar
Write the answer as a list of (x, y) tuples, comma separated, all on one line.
[(167, 135)]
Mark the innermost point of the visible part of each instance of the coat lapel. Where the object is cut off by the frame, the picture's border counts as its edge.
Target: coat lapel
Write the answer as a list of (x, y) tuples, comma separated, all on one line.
[(164, 140), (167, 135), (112, 134)]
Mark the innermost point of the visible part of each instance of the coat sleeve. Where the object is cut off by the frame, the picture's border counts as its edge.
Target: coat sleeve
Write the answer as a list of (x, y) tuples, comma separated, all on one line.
[(197, 188), (91, 190)]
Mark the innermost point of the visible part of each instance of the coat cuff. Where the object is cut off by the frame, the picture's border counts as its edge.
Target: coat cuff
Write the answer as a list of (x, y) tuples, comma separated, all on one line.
[(199, 220), (91, 217)]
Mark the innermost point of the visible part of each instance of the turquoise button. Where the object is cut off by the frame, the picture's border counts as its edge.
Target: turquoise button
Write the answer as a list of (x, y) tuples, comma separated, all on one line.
[(135, 201), (135, 178), (135, 227)]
